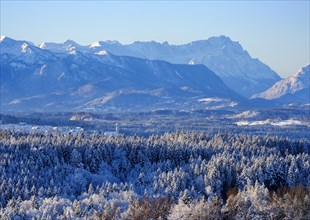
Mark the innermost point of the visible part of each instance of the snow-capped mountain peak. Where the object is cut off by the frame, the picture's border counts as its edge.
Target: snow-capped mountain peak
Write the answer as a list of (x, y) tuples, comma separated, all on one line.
[(95, 44), (2, 38), (299, 81)]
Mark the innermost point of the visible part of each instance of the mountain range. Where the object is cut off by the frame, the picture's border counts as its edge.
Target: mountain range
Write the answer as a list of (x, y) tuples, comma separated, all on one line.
[(109, 76), (233, 64), (38, 79)]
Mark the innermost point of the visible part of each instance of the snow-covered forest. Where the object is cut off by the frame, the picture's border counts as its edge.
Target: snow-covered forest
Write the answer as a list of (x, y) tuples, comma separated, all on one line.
[(184, 175)]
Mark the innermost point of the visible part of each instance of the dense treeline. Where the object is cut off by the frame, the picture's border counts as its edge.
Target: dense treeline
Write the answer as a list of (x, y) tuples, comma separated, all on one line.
[(184, 175)]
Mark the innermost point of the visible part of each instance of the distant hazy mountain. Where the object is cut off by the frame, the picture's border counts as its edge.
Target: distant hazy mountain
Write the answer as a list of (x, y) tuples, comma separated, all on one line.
[(226, 58), (36, 79), (292, 89)]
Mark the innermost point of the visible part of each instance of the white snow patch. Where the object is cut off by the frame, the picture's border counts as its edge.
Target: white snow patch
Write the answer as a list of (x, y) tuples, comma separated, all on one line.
[(289, 122), (242, 123), (42, 45), (70, 48), (214, 99), (178, 74), (245, 114), (232, 104), (42, 69), (217, 103), (15, 101), (24, 47), (102, 52), (61, 76), (192, 62), (72, 52)]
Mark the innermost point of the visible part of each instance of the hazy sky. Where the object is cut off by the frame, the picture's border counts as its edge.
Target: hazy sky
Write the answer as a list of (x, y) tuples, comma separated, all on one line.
[(276, 32)]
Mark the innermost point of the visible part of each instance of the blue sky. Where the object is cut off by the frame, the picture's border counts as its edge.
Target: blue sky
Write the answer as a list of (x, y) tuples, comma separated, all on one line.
[(276, 32)]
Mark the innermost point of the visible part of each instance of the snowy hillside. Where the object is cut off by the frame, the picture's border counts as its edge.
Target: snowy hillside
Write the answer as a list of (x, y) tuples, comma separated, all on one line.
[(295, 84)]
